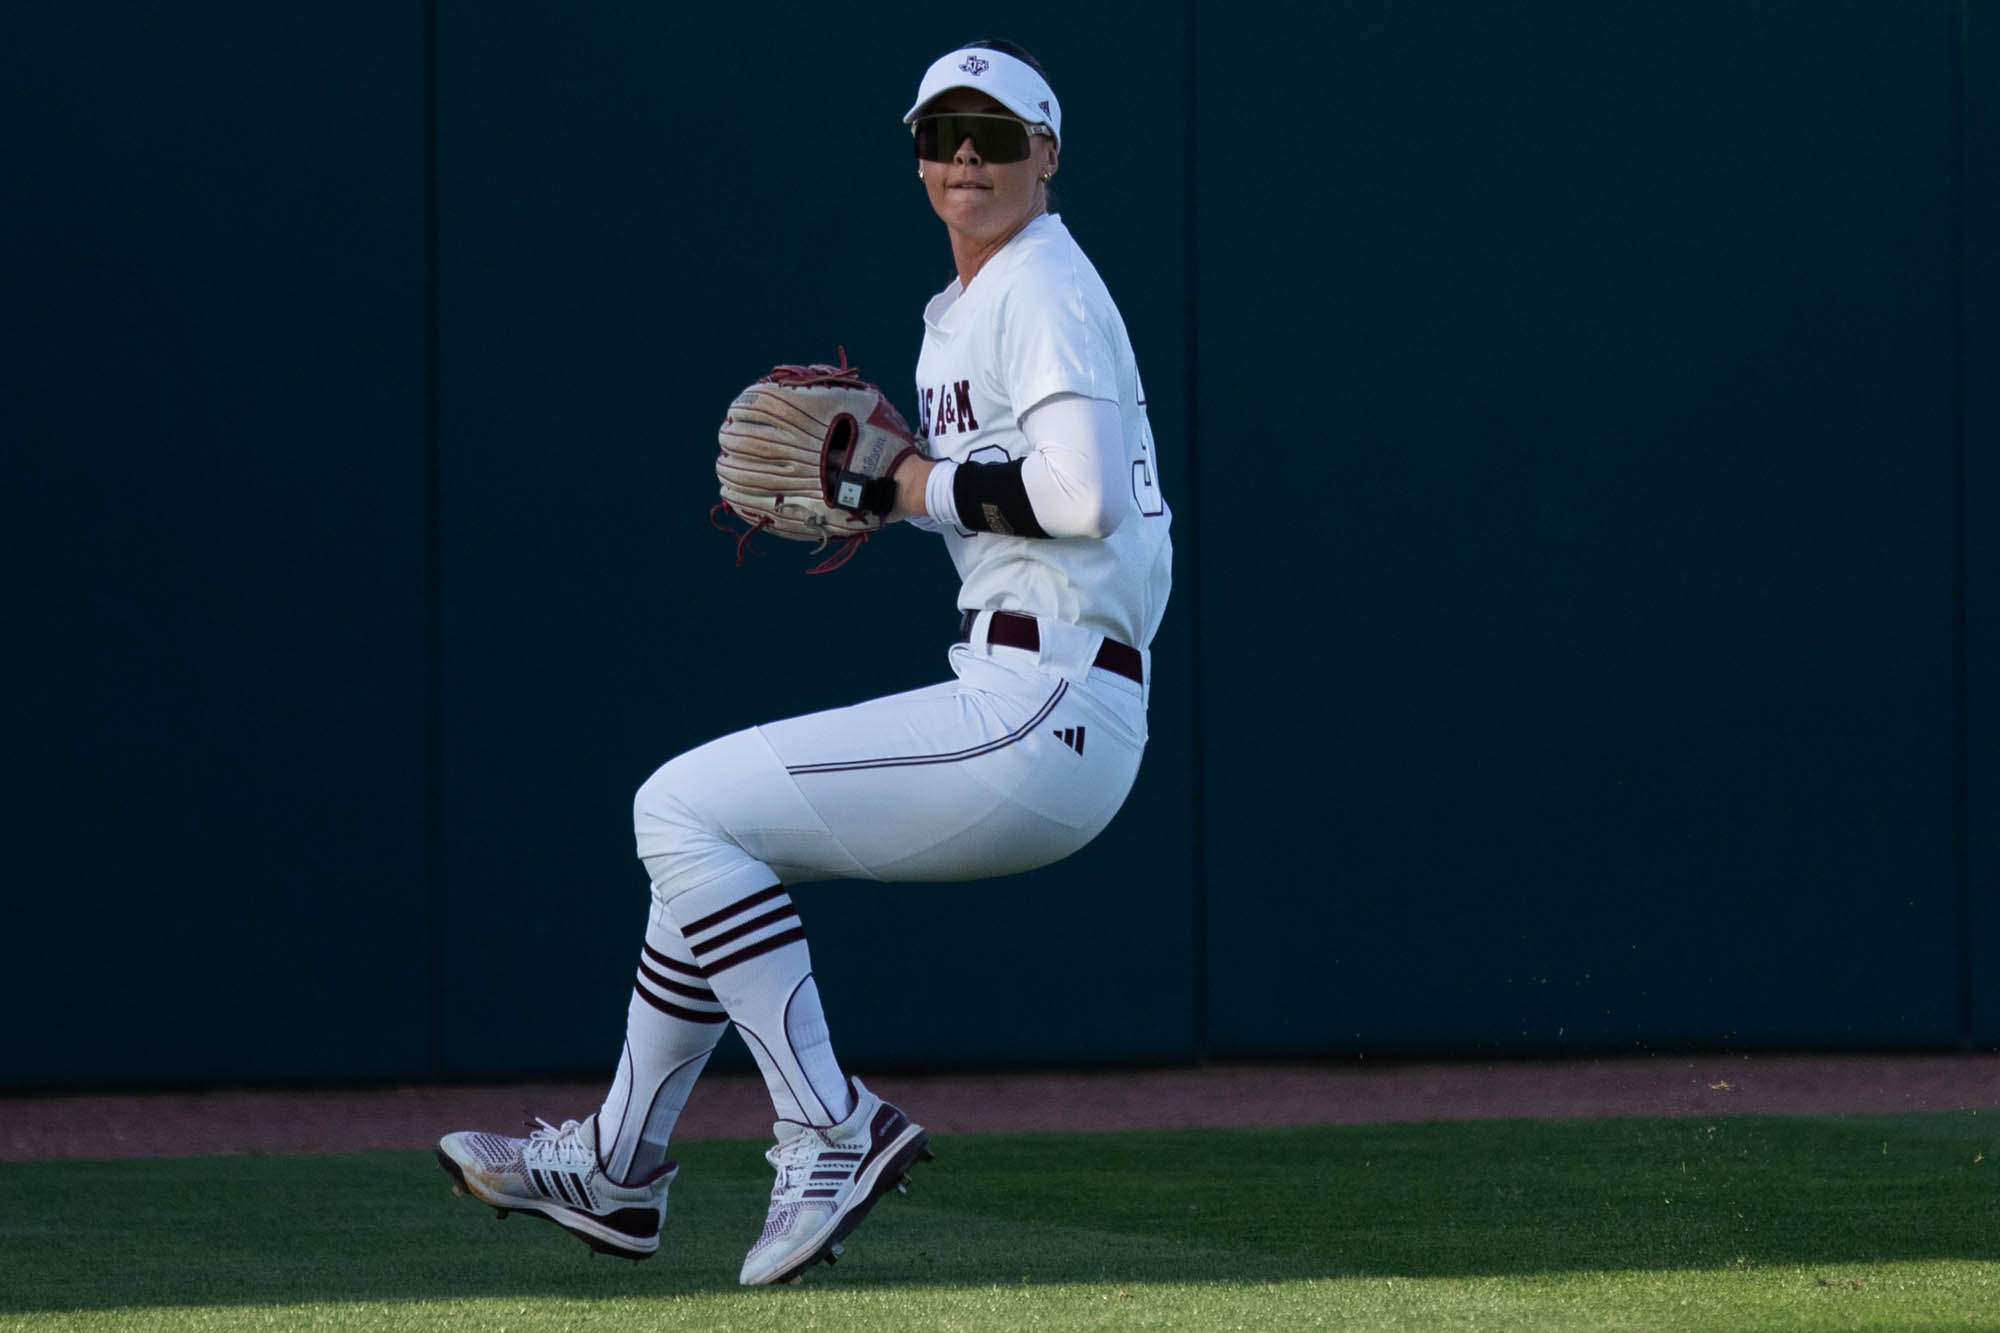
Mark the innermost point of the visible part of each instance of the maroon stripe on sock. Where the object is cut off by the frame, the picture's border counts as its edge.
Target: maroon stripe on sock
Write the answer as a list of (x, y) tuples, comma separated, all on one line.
[(675, 1011), (757, 950), (717, 918), (685, 969), (771, 918), (669, 984)]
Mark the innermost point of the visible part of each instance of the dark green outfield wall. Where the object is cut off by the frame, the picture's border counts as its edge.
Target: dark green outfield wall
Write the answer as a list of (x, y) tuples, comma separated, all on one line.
[(1632, 610), (215, 529), (1580, 420)]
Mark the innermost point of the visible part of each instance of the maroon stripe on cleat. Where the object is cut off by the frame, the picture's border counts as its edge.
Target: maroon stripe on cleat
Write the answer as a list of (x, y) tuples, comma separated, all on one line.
[(888, 1123), (638, 1222)]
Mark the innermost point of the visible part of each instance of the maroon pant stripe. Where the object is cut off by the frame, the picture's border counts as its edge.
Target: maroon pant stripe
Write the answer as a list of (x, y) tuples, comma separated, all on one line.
[(903, 761)]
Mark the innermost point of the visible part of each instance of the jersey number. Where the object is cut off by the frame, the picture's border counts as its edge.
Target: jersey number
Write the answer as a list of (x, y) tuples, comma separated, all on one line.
[(1145, 480)]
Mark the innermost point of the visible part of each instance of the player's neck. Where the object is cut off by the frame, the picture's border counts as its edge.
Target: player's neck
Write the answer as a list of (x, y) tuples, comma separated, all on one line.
[(970, 253)]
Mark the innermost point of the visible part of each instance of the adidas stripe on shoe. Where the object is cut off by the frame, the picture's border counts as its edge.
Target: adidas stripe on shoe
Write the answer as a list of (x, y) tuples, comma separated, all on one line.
[(828, 1179), (554, 1174)]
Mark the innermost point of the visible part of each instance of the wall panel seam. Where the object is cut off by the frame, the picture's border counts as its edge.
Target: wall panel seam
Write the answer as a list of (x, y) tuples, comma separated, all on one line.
[(434, 551), (1197, 822), (1961, 631)]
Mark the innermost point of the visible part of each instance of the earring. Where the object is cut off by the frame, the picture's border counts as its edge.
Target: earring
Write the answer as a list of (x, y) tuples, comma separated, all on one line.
[(920, 173), (1048, 176)]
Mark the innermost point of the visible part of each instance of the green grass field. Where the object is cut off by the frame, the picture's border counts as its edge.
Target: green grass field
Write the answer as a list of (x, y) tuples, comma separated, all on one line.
[(1814, 1223)]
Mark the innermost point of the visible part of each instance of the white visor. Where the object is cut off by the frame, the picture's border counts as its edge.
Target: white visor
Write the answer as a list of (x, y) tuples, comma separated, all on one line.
[(1011, 82)]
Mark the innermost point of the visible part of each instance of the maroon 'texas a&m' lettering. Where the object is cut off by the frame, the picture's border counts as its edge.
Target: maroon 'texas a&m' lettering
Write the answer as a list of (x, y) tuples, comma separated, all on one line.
[(947, 406)]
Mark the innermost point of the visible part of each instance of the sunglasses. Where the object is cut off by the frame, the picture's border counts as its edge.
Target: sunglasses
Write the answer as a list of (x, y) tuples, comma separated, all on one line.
[(994, 138)]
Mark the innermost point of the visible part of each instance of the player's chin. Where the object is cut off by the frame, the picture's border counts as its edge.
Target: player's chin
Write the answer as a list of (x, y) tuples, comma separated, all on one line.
[(969, 203)]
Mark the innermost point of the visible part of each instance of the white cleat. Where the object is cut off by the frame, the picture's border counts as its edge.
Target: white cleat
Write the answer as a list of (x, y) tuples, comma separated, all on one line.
[(554, 1173), (828, 1179)]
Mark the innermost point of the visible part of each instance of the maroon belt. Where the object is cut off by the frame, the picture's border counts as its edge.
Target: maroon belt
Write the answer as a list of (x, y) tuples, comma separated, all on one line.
[(1013, 631)]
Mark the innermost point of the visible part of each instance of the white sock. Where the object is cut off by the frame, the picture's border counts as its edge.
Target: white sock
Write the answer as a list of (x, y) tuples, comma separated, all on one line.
[(752, 949), (671, 1027)]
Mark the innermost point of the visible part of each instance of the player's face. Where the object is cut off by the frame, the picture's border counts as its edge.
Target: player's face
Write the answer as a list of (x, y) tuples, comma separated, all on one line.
[(981, 200)]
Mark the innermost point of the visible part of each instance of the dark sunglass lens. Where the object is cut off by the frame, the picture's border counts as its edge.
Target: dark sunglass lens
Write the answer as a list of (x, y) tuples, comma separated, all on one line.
[(1001, 140), (994, 138)]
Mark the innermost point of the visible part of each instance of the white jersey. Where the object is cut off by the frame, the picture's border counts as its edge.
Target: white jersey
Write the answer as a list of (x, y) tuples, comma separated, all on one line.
[(1036, 322), (1016, 761)]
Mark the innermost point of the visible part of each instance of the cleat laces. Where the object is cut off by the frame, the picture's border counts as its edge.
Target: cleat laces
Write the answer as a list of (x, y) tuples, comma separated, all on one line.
[(791, 1160), (558, 1146)]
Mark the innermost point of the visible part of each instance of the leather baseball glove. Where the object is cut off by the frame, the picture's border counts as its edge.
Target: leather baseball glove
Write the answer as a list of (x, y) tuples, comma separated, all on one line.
[(807, 454)]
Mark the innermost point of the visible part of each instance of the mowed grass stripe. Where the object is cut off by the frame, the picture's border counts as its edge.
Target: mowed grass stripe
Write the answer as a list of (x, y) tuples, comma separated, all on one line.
[(1936, 1294), (1871, 1221)]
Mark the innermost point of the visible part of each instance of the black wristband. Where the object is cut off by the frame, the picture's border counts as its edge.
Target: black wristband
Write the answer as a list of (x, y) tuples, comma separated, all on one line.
[(867, 495), (991, 497)]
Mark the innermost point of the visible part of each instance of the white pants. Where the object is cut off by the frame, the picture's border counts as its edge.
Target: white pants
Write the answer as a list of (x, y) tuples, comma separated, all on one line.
[(1010, 766), (1016, 762)]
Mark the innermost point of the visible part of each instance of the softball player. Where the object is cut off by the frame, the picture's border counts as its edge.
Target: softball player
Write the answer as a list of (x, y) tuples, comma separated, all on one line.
[(1041, 480)]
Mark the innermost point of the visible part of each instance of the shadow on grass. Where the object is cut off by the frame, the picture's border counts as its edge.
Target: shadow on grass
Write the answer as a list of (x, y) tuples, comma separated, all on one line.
[(1401, 1200)]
